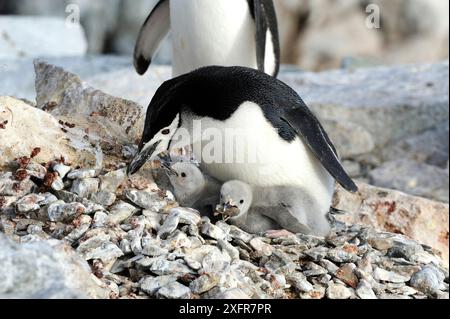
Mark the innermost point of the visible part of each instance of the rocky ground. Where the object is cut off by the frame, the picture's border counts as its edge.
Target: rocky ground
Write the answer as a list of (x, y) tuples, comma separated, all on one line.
[(74, 225)]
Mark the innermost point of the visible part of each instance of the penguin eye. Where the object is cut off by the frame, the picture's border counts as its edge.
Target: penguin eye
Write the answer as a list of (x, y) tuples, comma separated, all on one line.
[(165, 132), (183, 175), (242, 201)]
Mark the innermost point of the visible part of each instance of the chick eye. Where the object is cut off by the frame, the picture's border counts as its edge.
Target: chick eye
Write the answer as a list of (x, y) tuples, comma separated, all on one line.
[(183, 175), (242, 201), (165, 132)]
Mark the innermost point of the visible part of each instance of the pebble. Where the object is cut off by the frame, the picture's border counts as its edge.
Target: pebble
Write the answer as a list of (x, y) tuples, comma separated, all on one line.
[(11, 187), (58, 184), (174, 290), (146, 200), (299, 281), (62, 170), (317, 253), (104, 198), (49, 199), (59, 211), (161, 266), (388, 276), (212, 231), (337, 291), (204, 283), (36, 170), (82, 173), (347, 275), (151, 285), (29, 203), (99, 247), (428, 280), (111, 181), (186, 215), (170, 225), (84, 222), (365, 291), (85, 187)]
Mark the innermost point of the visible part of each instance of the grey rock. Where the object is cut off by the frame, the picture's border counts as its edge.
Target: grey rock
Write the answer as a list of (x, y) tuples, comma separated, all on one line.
[(146, 200), (317, 253), (235, 293), (29, 203), (400, 102), (83, 173), (329, 266), (67, 196), (84, 223), (60, 211), (170, 225), (413, 178), (104, 198), (40, 36), (120, 212), (365, 291), (389, 276), (212, 231), (10, 187), (347, 275), (162, 267), (428, 280), (62, 170), (229, 249), (299, 281), (174, 290), (261, 247), (45, 270), (112, 180), (337, 291), (36, 170), (99, 247), (49, 199), (100, 219), (85, 187), (237, 233), (340, 255), (311, 269), (58, 184), (187, 215), (151, 285), (204, 283)]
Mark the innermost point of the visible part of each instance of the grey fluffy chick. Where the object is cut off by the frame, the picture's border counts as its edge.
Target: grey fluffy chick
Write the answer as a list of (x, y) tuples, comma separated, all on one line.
[(261, 209), (194, 189)]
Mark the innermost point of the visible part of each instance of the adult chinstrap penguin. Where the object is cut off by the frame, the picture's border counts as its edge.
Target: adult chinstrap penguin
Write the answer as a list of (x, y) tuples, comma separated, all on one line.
[(218, 32), (264, 113)]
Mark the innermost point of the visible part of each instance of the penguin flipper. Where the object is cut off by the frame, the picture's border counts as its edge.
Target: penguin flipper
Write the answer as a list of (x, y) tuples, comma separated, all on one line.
[(306, 125), (266, 21), (152, 32)]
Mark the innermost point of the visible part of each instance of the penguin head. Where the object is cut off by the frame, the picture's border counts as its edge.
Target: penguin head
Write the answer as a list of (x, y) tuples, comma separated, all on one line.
[(186, 177), (161, 124), (235, 199)]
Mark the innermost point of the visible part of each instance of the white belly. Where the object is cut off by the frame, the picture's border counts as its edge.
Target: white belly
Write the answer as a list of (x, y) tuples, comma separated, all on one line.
[(213, 32), (276, 163)]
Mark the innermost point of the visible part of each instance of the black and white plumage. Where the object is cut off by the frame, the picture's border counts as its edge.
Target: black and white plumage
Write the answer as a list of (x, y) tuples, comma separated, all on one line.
[(205, 32), (264, 113)]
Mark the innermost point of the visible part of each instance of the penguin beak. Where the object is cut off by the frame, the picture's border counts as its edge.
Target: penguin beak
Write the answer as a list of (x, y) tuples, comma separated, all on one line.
[(140, 159)]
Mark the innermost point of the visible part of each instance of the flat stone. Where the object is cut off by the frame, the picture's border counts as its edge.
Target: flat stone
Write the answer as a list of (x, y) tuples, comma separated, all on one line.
[(428, 280), (299, 281), (29, 203), (11, 187), (83, 173), (103, 198), (212, 231), (151, 285), (204, 283), (337, 291), (261, 247), (62, 170), (99, 247), (389, 276), (60, 211), (120, 212), (347, 275), (146, 200), (170, 225), (112, 180), (174, 290), (85, 187), (187, 215)]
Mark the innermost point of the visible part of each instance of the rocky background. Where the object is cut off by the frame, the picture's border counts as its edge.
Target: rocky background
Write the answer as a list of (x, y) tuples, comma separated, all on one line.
[(73, 226)]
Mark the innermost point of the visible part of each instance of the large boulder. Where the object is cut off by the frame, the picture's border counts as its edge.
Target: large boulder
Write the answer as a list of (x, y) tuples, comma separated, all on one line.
[(34, 36), (25, 128), (424, 220), (114, 120), (45, 270), (413, 178), (391, 103)]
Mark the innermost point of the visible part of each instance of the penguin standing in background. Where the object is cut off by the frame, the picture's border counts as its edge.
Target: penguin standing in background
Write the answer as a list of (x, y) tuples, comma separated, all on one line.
[(212, 32), (281, 142)]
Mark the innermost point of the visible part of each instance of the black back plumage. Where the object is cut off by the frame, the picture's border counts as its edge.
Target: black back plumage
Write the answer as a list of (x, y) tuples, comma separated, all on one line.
[(217, 92)]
